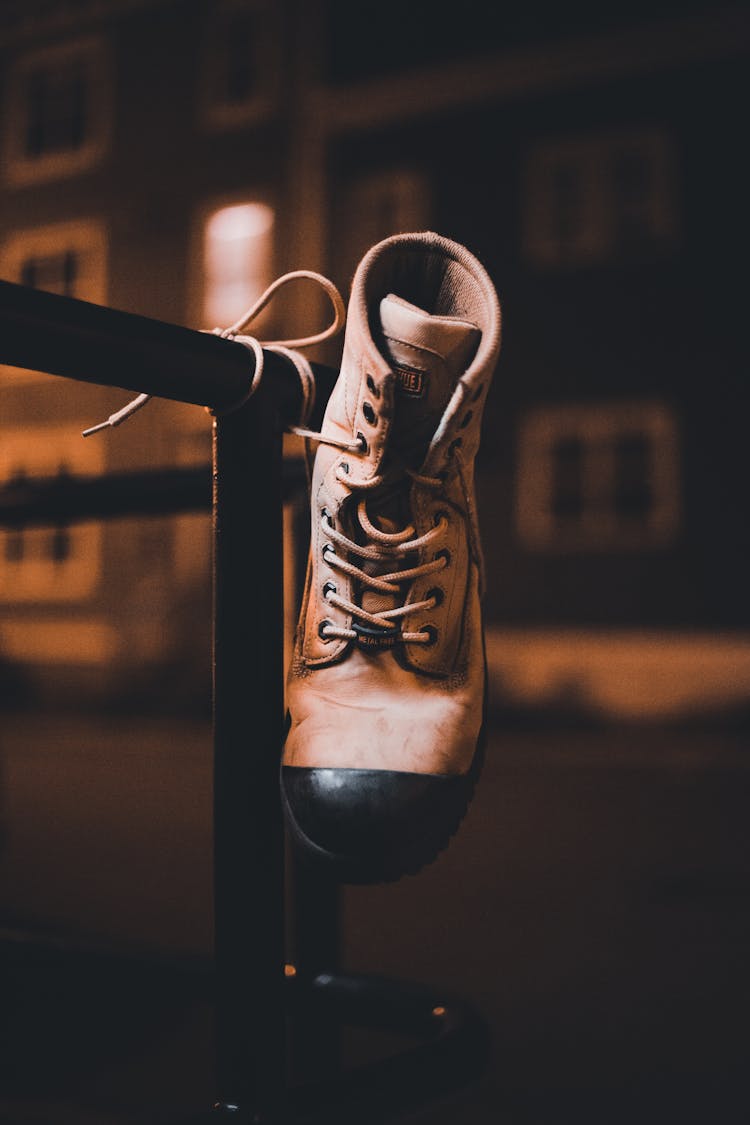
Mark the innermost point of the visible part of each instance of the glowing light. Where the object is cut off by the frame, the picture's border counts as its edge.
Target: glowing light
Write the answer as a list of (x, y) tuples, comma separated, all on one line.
[(290, 971), (237, 260), (241, 221)]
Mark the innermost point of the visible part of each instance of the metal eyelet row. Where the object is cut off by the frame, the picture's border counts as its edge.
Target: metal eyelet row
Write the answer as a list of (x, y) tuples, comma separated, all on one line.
[(329, 587), (369, 412), (467, 417), (370, 417)]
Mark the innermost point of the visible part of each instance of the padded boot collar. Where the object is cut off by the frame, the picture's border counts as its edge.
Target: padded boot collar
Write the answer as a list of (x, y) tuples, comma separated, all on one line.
[(410, 264)]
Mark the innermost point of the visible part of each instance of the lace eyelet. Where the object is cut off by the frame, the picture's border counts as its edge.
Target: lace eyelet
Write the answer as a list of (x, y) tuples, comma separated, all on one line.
[(369, 413), (466, 419), (344, 466), (444, 554), (323, 625), (327, 549), (432, 635), (436, 595), (454, 445), (326, 516), (439, 517), (477, 393), (363, 446), (372, 387), (329, 588)]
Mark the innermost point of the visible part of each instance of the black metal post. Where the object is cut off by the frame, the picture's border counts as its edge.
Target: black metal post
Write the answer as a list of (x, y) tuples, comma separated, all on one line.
[(90, 343), (316, 1035), (248, 718)]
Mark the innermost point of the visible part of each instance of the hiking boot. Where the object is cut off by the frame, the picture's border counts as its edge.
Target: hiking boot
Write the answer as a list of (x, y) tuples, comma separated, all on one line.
[(386, 688)]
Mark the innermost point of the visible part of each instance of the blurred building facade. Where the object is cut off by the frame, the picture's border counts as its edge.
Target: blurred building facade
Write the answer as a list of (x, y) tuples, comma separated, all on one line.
[(170, 157)]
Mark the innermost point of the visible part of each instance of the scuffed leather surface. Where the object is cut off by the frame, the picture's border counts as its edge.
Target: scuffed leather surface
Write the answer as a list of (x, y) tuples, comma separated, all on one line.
[(370, 712)]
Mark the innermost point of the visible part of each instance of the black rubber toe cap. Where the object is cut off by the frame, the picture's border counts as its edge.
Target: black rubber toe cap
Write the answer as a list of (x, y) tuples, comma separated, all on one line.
[(372, 825)]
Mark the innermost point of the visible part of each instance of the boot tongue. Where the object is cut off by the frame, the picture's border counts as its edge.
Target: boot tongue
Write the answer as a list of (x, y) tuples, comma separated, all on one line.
[(429, 354)]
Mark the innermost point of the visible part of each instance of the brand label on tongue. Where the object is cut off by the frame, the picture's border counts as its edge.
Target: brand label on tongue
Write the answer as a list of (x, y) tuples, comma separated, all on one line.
[(375, 637), (410, 380)]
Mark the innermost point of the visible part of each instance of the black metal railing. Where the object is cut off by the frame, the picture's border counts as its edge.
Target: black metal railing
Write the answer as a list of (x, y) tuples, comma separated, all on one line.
[(245, 492)]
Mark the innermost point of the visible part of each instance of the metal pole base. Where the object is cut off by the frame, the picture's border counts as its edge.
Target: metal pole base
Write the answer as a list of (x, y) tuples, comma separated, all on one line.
[(451, 1051), (216, 1114), (220, 1112)]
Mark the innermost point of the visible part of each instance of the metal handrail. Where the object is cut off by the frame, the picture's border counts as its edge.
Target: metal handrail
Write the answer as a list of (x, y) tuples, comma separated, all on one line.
[(72, 497), (94, 344)]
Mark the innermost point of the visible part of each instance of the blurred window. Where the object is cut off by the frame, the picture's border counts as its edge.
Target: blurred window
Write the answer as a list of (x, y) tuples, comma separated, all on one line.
[(55, 273), (60, 544), (48, 564), (65, 258), (238, 250), (59, 108), (240, 70), (379, 204), (591, 200), (14, 546), (602, 477), (58, 564)]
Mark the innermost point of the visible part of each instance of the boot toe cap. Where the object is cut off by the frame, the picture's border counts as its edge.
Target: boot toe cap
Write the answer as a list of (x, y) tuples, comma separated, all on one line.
[(370, 825)]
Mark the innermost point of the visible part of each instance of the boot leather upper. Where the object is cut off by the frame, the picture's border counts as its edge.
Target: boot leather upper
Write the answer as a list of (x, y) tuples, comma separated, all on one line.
[(412, 707)]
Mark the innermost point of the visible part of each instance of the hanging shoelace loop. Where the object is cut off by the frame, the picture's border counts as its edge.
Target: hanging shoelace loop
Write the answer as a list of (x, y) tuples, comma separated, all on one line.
[(287, 348)]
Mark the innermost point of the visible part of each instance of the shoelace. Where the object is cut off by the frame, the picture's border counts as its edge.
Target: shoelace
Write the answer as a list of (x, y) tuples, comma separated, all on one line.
[(281, 347), (387, 547), (384, 549)]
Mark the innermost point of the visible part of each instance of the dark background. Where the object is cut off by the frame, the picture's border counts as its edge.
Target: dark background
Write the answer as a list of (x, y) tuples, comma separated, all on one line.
[(595, 904)]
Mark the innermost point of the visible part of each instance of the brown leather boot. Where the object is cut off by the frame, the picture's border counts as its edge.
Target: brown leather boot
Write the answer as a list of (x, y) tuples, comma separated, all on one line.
[(386, 690)]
